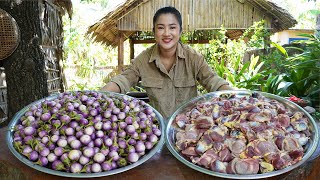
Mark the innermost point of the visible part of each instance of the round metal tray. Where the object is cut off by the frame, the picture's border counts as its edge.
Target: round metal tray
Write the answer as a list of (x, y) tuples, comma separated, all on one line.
[(171, 131), (22, 158)]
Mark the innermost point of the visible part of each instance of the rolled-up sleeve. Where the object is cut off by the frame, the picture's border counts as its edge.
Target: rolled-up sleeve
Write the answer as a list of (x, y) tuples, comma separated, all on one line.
[(207, 77), (128, 78)]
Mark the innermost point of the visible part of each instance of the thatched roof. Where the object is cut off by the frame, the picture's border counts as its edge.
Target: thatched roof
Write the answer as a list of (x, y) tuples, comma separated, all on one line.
[(65, 5), (235, 15)]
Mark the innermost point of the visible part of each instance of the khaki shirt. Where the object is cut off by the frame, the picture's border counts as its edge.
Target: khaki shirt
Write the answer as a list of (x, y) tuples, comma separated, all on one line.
[(168, 90)]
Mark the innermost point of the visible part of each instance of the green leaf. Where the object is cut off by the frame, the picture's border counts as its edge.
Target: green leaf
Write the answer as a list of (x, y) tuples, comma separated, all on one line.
[(280, 48)]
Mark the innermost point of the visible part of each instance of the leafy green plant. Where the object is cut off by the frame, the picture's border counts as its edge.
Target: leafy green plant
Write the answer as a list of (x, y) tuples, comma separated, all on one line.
[(250, 75), (298, 73), (226, 57), (271, 84), (304, 70)]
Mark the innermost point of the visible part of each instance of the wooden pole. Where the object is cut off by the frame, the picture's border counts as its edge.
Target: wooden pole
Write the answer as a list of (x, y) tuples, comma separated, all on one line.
[(120, 52), (131, 48)]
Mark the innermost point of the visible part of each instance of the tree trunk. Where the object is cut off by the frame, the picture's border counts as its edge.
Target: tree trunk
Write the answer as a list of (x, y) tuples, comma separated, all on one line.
[(25, 68)]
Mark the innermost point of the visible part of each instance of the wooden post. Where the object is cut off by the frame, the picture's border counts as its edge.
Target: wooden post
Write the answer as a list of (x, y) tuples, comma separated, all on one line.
[(120, 52), (131, 48)]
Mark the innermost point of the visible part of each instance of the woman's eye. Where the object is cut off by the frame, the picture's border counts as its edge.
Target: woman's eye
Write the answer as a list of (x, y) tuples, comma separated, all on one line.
[(160, 27), (173, 27)]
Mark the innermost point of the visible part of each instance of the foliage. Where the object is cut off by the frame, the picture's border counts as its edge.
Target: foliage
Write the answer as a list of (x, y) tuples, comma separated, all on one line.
[(305, 14), (227, 58), (303, 69), (83, 58), (275, 70), (297, 74)]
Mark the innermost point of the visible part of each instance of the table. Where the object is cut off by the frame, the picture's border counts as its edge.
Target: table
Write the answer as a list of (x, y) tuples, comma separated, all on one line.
[(162, 166)]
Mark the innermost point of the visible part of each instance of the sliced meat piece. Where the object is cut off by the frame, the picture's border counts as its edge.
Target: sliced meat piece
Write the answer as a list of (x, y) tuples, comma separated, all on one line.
[(243, 166), (296, 155), (218, 133), (288, 144), (284, 120), (206, 158), (266, 134), (187, 137), (261, 148), (203, 122), (296, 116), (195, 113), (247, 131), (218, 166), (280, 161), (227, 105), (246, 108), (181, 120), (205, 108), (189, 151), (299, 125), (236, 146), (218, 146), (260, 117), (202, 146), (225, 155), (216, 111)]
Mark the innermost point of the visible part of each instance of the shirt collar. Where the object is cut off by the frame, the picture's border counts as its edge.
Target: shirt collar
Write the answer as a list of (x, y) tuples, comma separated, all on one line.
[(155, 52)]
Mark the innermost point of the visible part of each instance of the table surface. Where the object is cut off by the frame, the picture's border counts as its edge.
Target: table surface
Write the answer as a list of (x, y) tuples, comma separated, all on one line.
[(162, 166)]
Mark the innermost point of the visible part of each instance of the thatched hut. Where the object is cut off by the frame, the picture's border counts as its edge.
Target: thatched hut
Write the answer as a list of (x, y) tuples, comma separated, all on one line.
[(133, 20)]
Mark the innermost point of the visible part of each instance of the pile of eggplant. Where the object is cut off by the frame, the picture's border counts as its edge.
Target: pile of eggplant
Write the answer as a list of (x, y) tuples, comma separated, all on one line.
[(86, 132)]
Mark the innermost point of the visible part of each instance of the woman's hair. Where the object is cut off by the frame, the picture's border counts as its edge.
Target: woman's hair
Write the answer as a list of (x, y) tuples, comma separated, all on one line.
[(167, 10)]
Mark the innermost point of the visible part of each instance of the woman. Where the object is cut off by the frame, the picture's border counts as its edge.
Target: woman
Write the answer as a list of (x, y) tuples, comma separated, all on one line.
[(168, 70)]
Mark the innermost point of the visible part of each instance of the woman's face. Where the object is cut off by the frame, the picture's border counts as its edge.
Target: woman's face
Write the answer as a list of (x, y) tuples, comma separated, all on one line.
[(167, 31)]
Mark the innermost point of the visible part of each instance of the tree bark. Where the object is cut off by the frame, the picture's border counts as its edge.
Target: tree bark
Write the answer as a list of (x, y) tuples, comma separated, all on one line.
[(25, 68)]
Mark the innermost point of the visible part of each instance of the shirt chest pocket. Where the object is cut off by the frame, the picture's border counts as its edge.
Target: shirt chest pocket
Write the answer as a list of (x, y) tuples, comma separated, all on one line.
[(154, 87)]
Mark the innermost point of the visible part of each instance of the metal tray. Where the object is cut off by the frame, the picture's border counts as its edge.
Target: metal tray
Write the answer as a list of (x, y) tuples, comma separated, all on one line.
[(171, 131), (22, 158)]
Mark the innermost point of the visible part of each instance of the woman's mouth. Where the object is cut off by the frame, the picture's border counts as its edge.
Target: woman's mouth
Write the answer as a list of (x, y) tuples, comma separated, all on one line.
[(166, 40)]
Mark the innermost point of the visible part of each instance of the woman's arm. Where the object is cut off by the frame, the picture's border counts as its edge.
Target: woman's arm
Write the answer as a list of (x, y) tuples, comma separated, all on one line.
[(225, 87), (208, 78), (122, 82), (111, 86)]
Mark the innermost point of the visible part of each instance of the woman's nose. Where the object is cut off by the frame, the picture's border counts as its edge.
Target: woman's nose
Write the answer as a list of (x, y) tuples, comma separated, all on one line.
[(166, 31)]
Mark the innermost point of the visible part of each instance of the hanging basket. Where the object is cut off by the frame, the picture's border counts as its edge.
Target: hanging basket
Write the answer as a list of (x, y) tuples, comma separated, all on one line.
[(9, 34)]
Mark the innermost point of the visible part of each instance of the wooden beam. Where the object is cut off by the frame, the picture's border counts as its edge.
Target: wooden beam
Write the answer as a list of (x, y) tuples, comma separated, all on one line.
[(131, 48), (120, 52)]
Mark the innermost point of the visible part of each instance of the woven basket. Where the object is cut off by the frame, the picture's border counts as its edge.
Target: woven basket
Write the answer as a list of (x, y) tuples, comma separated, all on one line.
[(9, 34)]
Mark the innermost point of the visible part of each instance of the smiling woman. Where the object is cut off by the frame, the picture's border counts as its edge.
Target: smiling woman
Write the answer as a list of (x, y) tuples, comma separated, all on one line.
[(169, 70)]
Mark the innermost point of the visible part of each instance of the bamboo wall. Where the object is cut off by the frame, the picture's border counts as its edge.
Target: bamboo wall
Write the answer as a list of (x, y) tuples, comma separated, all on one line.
[(52, 42), (197, 14)]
